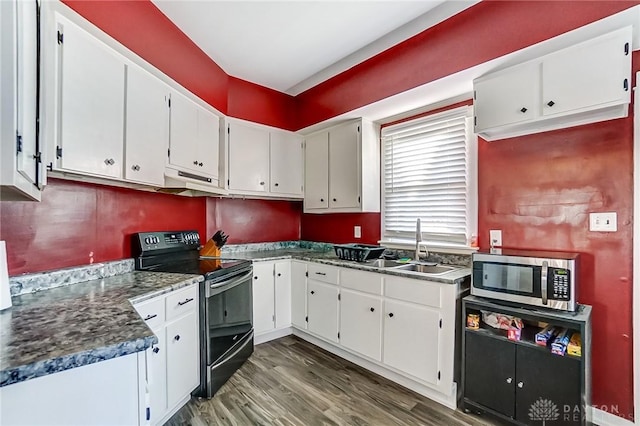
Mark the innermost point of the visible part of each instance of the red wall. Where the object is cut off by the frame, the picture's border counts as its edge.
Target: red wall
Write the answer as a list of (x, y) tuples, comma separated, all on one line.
[(338, 228), (487, 30), (539, 190), (77, 223)]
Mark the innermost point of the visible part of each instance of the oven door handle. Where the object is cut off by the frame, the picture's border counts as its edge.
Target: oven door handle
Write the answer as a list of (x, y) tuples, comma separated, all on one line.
[(226, 285), (543, 281)]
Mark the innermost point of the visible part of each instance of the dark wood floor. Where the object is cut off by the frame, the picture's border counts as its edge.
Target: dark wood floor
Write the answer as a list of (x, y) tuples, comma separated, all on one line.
[(291, 382)]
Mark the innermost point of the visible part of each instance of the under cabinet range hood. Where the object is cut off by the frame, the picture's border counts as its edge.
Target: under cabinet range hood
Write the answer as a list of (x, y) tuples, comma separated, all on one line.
[(185, 183)]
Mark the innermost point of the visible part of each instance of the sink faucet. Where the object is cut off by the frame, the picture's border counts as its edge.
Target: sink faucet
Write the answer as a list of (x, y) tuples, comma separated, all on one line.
[(418, 241)]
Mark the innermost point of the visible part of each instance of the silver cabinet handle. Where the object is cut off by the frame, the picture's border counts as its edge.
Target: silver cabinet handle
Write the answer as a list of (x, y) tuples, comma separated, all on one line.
[(520, 385), (509, 380)]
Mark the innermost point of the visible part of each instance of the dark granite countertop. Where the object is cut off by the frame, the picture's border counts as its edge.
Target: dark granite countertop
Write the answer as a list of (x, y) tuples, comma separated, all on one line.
[(79, 324), (457, 276)]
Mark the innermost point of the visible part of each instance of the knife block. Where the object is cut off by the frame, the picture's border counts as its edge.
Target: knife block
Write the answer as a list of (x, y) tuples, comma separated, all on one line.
[(210, 249)]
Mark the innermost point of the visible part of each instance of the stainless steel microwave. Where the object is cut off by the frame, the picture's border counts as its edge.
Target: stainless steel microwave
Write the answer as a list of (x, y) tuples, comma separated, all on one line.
[(535, 278)]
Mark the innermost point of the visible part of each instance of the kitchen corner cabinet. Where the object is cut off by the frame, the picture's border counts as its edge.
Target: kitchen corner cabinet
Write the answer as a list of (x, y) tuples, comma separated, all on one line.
[(271, 296), (91, 110), (581, 84), (173, 364), (146, 127), (342, 169), (193, 140), (509, 378), (21, 173), (263, 161)]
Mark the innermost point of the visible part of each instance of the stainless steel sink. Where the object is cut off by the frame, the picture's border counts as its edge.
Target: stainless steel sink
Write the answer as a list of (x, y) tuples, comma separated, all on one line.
[(426, 269), (383, 263)]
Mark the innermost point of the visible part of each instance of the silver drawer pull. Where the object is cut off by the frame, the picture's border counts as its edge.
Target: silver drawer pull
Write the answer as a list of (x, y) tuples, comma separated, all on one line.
[(148, 317), (185, 301)]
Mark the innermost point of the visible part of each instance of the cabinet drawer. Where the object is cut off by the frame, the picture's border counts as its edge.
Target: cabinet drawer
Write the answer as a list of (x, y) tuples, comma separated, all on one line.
[(323, 273), (152, 312), (367, 282), (416, 291), (182, 301)]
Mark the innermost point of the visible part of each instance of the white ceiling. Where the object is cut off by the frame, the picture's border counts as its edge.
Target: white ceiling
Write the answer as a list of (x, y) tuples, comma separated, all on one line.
[(291, 46)]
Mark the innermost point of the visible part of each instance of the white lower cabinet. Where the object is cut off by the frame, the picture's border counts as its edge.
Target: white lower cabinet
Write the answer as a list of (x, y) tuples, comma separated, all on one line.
[(299, 294), (182, 362), (173, 364), (361, 323), (271, 296), (103, 393), (412, 339), (322, 309)]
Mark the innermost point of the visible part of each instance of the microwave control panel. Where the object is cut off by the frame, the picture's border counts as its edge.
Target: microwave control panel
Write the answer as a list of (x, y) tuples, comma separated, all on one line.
[(560, 281)]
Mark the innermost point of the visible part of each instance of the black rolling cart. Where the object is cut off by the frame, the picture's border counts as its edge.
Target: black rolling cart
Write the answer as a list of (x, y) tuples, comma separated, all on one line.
[(522, 382)]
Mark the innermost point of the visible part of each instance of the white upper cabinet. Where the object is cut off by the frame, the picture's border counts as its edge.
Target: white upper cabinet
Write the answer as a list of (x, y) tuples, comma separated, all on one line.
[(588, 75), (21, 174), (507, 98), (316, 167), (344, 166), (146, 128), (248, 157), (342, 169), (194, 139), (584, 83), (263, 161), (286, 159), (91, 103)]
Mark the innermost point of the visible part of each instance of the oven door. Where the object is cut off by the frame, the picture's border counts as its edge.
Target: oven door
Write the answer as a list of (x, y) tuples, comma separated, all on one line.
[(227, 329)]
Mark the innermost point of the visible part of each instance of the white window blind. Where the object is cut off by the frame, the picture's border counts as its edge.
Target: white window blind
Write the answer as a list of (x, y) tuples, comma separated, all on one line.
[(427, 175)]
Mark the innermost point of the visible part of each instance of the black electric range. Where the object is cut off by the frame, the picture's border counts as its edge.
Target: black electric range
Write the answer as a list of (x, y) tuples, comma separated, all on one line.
[(226, 300)]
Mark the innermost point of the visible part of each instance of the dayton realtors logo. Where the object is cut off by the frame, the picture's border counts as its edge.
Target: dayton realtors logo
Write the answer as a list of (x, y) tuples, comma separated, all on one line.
[(543, 410)]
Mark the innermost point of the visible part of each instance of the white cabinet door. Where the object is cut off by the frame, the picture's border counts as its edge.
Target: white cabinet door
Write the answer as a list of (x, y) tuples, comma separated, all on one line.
[(248, 158), (508, 97), (263, 297), (299, 294), (91, 91), (322, 307), (208, 142), (587, 75), (157, 376), (27, 68), (146, 127), (285, 175), (183, 367), (316, 173), (344, 166), (194, 137), (361, 323), (412, 339), (283, 294), (183, 133)]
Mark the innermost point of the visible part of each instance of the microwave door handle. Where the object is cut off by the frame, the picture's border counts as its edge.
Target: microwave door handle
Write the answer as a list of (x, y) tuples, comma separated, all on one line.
[(543, 281)]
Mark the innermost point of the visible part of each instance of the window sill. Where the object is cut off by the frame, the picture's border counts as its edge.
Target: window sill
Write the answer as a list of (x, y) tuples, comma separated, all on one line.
[(435, 247)]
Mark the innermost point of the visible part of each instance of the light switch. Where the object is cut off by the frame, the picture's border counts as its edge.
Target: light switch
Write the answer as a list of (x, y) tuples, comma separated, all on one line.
[(495, 237), (603, 222), (357, 232)]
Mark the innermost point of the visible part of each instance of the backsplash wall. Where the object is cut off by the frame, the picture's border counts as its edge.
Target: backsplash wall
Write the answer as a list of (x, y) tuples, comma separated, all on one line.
[(78, 223)]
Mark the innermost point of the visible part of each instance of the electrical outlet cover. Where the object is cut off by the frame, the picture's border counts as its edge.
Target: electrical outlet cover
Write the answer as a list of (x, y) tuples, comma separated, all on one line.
[(603, 222), (495, 238), (357, 232)]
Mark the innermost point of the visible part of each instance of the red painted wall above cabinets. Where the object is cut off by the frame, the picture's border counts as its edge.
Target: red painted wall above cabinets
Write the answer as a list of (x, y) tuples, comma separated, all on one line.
[(483, 32)]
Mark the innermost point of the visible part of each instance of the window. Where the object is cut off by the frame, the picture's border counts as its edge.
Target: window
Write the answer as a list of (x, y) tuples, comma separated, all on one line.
[(429, 172)]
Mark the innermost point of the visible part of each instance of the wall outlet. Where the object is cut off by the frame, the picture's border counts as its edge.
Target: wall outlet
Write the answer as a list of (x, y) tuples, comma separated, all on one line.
[(603, 222), (357, 232), (495, 237)]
